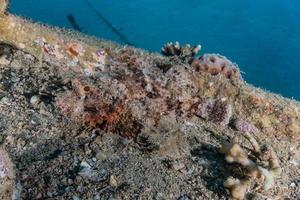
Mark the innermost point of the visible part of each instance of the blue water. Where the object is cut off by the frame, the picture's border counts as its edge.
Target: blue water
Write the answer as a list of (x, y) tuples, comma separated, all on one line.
[(261, 36)]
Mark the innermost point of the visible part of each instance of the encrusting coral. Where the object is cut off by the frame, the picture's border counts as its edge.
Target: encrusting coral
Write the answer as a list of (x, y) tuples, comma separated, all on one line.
[(215, 64), (217, 111), (265, 168)]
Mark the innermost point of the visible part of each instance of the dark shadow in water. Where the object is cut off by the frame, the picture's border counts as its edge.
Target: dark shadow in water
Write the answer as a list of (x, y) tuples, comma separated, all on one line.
[(73, 22), (216, 170), (109, 24)]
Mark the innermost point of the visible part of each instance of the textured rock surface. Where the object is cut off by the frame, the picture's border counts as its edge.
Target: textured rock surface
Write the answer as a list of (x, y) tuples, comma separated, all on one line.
[(83, 118), (7, 176)]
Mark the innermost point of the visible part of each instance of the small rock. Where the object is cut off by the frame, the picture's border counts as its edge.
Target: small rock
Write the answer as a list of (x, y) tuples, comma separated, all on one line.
[(113, 181), (178, 166), (74, 197), (294, 162), (49, 194), (6, 101), (293, 185), (88, 173), (34, 100), (184, 197), (22, 45), (4, 61)]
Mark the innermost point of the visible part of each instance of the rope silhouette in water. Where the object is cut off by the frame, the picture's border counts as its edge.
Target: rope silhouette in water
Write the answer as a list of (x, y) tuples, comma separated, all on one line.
[(73, 22), (109, 24)]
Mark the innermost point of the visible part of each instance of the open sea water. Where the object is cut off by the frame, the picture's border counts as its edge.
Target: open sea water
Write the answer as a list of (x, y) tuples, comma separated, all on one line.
[(261, 36)]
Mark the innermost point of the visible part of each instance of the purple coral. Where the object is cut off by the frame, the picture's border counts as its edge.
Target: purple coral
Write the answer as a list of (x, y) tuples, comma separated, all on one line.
[(244, 126), (216, 111)]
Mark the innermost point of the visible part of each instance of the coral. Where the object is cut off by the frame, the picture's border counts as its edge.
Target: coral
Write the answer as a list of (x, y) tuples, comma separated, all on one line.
[(215, 64), (7, 176), (244, 126), (264, 168), (217, 111), (268, 155), (238, 188), (185, 53), (234, 153)]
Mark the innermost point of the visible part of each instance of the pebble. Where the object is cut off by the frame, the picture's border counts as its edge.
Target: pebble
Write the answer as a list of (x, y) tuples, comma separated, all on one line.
[(293, 185), (184, 197), (5, 101), (34, 100), (294, 162), (22, 45), (178, 166), (74, 197), (4, 61), (113, 181), (49, 194), (87, 72)]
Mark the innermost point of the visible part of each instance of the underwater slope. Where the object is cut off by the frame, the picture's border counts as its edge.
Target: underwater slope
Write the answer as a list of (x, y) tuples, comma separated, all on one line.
[(83, 118), (261, 36)]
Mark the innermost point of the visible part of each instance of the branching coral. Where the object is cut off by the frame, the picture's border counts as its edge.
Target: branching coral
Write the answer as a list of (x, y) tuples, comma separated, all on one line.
[(264, 167), (215, 64), (7, 176), (186, 53), (238, 188)]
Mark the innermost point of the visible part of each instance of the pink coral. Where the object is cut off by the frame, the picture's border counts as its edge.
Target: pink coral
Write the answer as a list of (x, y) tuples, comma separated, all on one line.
[(215, 64), (244, 126)]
